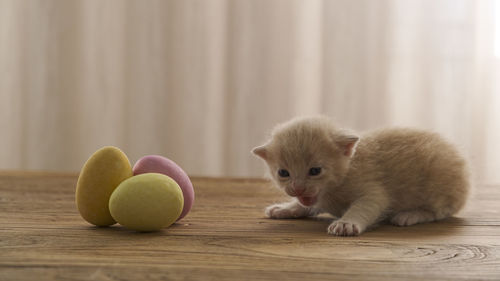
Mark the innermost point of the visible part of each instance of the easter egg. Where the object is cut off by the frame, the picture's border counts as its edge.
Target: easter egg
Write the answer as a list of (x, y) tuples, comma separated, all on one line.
[(162, 165), (99, 177), (147, 202)]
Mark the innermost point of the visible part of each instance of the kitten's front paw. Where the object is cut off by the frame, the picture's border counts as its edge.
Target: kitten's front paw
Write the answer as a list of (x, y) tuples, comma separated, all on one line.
[(284, 211), (345, 228)]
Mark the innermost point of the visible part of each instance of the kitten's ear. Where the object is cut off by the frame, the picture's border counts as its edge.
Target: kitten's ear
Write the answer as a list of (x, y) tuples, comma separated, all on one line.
[(261, 151), (348, 144)]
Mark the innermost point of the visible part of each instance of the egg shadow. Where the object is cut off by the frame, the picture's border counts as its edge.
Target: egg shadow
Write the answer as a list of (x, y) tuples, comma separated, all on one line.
[(121, 230)]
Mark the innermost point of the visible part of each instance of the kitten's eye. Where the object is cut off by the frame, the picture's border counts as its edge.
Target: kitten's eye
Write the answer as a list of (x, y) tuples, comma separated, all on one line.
[(314, 171), (283, 173)]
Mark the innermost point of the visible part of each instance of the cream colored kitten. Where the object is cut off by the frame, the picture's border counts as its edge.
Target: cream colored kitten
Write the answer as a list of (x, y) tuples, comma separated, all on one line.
[(403, 175)]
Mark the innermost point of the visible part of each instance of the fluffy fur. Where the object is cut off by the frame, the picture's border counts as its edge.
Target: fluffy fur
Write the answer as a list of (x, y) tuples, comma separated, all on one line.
[(405, 176)]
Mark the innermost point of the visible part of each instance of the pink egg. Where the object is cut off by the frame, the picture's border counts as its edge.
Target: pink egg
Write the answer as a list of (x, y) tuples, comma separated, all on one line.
[(163, 165)]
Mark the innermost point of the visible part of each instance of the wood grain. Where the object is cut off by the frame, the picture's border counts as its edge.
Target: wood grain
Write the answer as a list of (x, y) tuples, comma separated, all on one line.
[(226, 237)]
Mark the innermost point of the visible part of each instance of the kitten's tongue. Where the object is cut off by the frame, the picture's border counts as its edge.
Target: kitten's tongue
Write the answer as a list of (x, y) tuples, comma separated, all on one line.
[(307, 201)]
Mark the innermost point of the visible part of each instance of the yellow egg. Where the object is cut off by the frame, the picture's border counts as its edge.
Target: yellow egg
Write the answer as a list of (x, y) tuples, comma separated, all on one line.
[(147, 202), (99, 177)]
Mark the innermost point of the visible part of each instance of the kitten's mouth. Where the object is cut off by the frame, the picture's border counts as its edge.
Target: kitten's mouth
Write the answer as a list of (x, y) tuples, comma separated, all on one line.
[(307, 200)]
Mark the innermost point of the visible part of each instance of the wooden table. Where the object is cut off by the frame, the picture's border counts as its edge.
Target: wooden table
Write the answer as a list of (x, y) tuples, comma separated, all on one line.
[(226, 237)]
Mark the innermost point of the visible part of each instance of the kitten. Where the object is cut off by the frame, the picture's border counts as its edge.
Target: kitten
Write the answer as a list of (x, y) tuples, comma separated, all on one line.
[(402, 175)]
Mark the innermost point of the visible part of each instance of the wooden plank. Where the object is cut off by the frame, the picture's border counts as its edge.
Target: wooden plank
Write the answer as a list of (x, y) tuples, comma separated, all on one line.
[(226, 237)]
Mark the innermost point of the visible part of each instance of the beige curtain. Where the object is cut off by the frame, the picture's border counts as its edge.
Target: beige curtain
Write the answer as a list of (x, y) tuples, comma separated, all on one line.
[(202, 82)]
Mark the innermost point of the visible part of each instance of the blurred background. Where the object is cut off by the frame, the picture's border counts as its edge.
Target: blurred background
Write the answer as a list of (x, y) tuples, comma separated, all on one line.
[(202, 82)]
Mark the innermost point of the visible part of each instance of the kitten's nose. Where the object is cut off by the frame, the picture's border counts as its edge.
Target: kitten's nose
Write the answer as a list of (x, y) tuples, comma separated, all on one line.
[(298, 190)]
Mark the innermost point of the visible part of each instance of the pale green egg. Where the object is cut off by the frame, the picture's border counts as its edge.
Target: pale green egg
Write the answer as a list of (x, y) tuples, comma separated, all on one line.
[(147, 202), (99, 177)]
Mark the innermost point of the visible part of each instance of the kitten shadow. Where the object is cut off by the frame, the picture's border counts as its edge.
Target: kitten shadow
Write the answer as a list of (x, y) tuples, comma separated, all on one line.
[(384, 231), (438, 229), (445, 228), (310, 225)]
